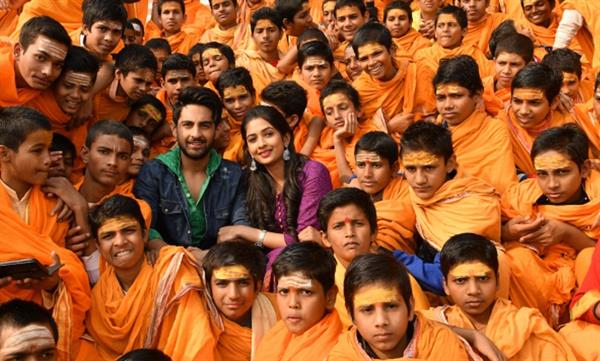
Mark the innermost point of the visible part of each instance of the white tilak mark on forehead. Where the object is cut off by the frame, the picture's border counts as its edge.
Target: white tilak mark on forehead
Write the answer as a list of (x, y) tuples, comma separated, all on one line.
[(295, 282), (79, 78), (53, 49), (26, 339), (179, 73)]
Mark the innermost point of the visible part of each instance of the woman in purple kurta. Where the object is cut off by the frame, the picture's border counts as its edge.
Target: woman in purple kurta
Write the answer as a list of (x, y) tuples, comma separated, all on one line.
[(284, 188)]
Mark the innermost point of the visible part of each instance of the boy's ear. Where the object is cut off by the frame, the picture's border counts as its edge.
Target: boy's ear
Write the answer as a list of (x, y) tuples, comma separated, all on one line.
[(17, 51), (85, 30), (331, 296), (395, 167), (287, 139), (446, 289), (286, 23), (555, 102), (411, 313), (586, 169), (118, 74), (5, 153), (452, 164), (293, 121), (325, 240), (85, 154)]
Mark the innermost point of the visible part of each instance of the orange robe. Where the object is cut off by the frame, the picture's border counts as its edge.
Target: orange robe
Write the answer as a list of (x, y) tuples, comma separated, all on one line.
[(246, 9), (583, 332), (325, 151), (66, 12), (10, 95), (431, 341), (494, 100), (138, 10), (522, 139), (37, 238), (545, 278), (395, 217), (430, 57), (199, 18), (240, 343), (237, 37), (110, 106), (463, 204), (8, 21), (312, 94), (479, 34), (482, 147), (235, 148), (279, 344), (163, 145), (404, 93), (263, 73), (182, 42), (588, 37), (412, 41), (155, 312), (513, 9), (520, 333), (587, 120)]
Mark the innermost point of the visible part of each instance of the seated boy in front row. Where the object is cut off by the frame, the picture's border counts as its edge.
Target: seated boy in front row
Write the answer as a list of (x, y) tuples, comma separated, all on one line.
[(470, 266), (133, 303), (306, 291), (234, 273), (379, 299)]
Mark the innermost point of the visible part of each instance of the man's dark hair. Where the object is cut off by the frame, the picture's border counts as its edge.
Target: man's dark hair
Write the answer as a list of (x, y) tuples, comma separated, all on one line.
[(467, 248), (461, 70), (45, 26), (21, 313), (428, 137), (287, 96), (178, 61), (266, 13), (539, 76), (104, 10), (135, 57), (236, 253), (16, 123), (199, 96), (342, 197), (114, 207), (379, 143), (108, 127), (567, 139)]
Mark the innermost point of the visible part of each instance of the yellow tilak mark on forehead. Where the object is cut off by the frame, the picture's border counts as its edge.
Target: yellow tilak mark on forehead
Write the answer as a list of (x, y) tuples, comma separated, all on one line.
[(294, 282), (79, 78), (53, 48), (547, 161), (448, 89), (420, 158), (234, 92), (370, 49), (368, 158), (569, 77), (235, 272), (465, 270), (374, 295), (116, 224), (333, 100), (152, 112), (528, 94), (210, 52)]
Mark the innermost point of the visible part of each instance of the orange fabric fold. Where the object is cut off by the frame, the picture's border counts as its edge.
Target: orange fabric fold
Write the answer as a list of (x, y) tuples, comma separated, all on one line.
[(155, 312), (108, 106), (431, 57), (482, 147), (8, 21), (279, 344), (404, 93), (583, 338), (494, 100), (66, 12), (463, 204), (520, 333), (411, 42), (20, 240), (10, 95), (262, 72), (587, 120), (479, 34), (199, 18), (237, 37), (431, 341), (522, 139), (395, 217)]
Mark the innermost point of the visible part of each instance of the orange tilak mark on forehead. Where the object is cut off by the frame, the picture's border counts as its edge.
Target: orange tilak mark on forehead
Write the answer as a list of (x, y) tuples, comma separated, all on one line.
[(466, 270), (236, 91), (447, 89), (116, 224), (420, 158), (231, 272), (375, 295), (332, 100), (370, 49), (550, 161), (528, 94), (569, 77)]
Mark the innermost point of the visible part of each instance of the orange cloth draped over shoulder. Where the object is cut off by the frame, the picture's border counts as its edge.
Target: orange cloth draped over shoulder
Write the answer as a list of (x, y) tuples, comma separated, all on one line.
[(164, 308), (237, 37), (66, 12), (138, 10), (401, 94), (301, 131), (246, 9), (431, 57), (482, 147), (182, 42), (494, 100), (396, 217), (522, 139), (588, 37), (20, 240), (236, 342), (420, 299), (479, 34), (325, 151), (262, 72), (198, 20), (109, 106), (583, 332), (163, 145), (47, 105), (588, 121), (10, 95), (411, 42), (279, 344), (463, 204), (513, 9), (545, 279), (520, 333), (8, 21), (312, 94), (430, 341)]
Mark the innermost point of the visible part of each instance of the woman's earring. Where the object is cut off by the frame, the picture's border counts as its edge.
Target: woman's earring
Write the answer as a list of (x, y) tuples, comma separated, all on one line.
[(286, 154), (253, 165)]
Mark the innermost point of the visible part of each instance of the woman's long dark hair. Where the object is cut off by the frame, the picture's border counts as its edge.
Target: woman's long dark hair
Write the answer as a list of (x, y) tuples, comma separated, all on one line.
[(261, 194)]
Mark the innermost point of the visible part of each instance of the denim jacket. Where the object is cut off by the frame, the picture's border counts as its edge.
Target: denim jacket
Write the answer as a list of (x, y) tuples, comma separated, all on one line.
[(224, 202)]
